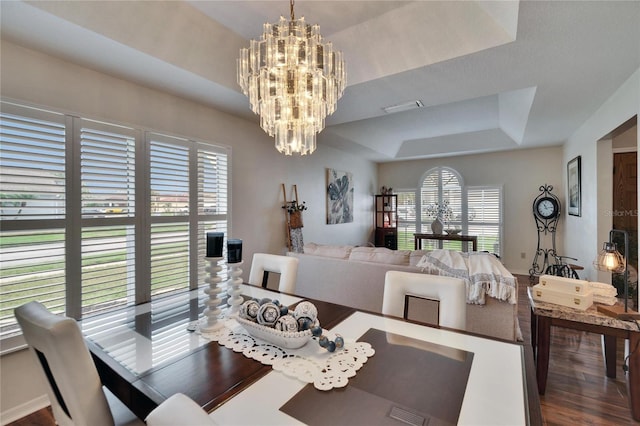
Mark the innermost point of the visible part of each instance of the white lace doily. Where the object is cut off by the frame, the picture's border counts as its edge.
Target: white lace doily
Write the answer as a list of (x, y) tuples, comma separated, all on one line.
[(310, 363)]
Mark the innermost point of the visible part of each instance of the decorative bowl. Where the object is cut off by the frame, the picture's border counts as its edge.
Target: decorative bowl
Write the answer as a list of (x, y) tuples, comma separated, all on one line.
[(283, 339), (453, 231)]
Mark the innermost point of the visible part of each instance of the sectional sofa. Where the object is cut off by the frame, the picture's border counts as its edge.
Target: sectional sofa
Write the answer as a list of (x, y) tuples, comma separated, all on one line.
[(354, 276)]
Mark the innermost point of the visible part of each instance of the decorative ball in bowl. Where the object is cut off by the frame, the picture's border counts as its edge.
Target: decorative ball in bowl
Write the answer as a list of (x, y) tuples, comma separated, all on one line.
[(453, 231), (289, 330)]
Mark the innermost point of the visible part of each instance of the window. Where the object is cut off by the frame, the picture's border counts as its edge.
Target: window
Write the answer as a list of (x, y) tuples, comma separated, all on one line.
[(33, 210), (474, 210), (485, 217), (97, 215), (406, 219), (441, 186)]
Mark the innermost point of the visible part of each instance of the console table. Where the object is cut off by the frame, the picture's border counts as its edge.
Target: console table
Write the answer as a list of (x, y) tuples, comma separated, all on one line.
[(544, 315), (417, 239)]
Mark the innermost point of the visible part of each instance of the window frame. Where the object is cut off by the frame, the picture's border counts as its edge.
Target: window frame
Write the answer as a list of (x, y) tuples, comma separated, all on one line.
[(440, 197), (423, 226), (73, 222)]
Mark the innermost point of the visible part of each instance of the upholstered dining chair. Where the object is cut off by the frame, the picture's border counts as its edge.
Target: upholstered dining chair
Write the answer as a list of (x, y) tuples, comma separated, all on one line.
[(450, 292), (286, 266), (73, 386)]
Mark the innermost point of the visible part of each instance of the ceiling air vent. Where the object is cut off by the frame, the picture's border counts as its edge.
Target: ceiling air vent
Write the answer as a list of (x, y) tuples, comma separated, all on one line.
[(403, 107)]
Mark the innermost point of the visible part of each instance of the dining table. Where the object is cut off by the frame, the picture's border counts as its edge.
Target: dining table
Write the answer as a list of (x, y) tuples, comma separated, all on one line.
[(411, 373)]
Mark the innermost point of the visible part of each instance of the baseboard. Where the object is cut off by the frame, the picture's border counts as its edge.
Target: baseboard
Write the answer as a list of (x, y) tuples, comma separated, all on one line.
[(23, 410), (518, 272)]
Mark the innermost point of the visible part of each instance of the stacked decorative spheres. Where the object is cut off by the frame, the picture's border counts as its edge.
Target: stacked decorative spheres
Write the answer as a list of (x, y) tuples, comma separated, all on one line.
[(271, 313)]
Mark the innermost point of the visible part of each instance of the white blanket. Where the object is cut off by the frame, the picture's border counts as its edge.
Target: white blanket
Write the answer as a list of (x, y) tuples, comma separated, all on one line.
[(482, 273)]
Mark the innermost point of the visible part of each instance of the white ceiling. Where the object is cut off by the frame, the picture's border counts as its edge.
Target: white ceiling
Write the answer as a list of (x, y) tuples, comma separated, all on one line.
[(493, 75)]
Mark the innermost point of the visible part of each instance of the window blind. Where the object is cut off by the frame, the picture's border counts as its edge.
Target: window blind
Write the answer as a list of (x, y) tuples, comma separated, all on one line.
[(32, 211), (169, 164), (107, 176), (485, 217), (441, 186), (33, 166), (476, 210), (212, 181), (97, 215), (108, 170), (406, 219), (169, 257)]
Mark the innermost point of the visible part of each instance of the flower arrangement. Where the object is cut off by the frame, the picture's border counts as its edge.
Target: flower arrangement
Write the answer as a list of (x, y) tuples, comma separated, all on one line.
[(439, 210), (293, 206)]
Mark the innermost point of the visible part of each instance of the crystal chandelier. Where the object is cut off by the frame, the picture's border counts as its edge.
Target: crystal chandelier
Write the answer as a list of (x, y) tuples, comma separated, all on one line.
[(293, 80)]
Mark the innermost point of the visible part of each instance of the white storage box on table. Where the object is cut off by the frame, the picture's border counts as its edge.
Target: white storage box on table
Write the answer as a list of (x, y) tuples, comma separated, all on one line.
[(568, 292), (565, 285)]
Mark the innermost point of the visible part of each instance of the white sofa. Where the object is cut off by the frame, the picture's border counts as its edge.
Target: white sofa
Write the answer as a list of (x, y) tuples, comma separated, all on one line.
[(354, 276)]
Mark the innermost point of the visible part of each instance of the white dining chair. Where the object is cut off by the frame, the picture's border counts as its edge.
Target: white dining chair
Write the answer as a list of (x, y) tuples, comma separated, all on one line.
[(179, 409), (73, 385), (286, 266), (450, 292)]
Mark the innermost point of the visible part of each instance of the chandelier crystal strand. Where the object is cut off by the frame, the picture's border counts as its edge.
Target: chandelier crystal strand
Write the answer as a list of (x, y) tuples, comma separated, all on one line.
[(293, 81)]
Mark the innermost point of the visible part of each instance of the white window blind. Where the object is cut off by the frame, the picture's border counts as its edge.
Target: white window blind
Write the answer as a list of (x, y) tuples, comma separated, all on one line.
[(169, 257), (406, 219), (485, 217), (108, 170), (212, 181), (169, 177), (213, 187), (97, 215), (33, 165), (32, 211), (108, 267), (170, 206), (107, 176), (32, 268), (444, 187), (476, 210)]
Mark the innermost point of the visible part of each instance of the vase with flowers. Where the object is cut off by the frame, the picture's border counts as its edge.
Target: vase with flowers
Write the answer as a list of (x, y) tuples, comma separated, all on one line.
[(441, 212)]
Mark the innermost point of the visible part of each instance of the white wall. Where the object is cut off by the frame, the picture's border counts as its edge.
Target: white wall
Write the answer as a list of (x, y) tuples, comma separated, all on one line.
[(520, 172), (257, 168), (585, 234)]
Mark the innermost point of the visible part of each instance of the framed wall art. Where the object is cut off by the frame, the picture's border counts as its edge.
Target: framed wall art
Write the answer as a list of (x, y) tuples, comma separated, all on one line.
[(339, 197), (574, 187)]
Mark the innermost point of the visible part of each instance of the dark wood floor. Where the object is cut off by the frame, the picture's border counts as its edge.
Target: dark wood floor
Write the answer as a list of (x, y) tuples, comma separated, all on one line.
[(578, 390)]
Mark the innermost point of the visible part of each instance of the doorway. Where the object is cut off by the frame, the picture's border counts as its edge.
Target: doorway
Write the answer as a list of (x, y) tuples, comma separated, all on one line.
[(625, 200)]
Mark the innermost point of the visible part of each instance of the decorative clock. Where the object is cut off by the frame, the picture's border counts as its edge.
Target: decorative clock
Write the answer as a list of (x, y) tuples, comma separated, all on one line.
[(546, 212), (546, 207)]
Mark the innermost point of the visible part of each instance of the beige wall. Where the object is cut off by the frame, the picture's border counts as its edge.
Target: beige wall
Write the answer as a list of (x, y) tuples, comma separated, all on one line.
[(519, 172), (257, 168), (258, 171), (585, 234)]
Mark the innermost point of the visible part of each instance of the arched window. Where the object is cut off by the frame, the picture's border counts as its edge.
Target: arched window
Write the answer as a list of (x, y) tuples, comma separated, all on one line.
[(442, 187), (475, 210)]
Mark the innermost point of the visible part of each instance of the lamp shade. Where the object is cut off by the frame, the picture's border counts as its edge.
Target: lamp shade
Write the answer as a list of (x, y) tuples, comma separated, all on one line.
[(609, 259)]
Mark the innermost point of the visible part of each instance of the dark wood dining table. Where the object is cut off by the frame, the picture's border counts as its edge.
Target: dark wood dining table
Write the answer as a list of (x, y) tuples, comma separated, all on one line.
[(209, 374), (145, 354)]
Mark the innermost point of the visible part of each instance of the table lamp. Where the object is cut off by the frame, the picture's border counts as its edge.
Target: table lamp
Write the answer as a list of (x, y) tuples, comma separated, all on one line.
[(611, 260)]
